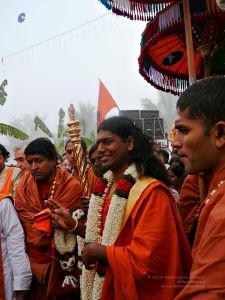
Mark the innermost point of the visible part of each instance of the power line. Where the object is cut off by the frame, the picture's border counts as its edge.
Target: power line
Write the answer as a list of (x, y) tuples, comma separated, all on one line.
[(56, 36)]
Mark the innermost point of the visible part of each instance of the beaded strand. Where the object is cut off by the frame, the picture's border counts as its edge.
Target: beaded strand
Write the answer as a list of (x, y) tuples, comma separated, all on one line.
[(101, 208), (214, 191), (52, 192)]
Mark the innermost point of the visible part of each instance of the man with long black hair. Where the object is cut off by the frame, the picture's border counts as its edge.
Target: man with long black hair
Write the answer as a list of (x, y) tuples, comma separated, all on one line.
[(136, 247)]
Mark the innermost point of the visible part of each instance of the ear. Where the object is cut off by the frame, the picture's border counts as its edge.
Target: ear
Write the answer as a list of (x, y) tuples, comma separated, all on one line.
[(130, 143), (219, 128)]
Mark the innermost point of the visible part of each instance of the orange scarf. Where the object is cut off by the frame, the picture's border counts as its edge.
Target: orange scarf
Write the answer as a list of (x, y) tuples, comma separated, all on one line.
[(7, 182)]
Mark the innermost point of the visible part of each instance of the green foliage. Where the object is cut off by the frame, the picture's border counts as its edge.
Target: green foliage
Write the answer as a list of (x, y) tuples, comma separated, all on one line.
[(12, 131), (6, 129), (3, 94), (87, 123), (89, 142), (62, 134), (2, 99), (61, 126), (40, 124)]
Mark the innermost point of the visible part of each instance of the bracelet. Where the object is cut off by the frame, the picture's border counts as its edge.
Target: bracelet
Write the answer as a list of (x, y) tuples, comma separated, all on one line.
[(75, 226)]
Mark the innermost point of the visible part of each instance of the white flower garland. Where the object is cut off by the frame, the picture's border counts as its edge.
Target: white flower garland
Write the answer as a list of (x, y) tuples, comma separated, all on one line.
[(64, 241), (92, 283)]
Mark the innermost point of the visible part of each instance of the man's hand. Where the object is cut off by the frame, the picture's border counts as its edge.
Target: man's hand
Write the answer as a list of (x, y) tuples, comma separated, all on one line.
[(60, 215), (20, 295), (92, 253)]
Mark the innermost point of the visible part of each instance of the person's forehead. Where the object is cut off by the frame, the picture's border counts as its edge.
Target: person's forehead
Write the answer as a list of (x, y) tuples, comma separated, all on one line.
[(19, 152), (69, 146), (103, 134), (184, 117), (36, 156)]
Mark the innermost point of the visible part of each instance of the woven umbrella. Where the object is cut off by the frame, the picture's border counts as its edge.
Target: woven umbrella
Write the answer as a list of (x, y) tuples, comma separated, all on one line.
[(163, 59), (148, 9)]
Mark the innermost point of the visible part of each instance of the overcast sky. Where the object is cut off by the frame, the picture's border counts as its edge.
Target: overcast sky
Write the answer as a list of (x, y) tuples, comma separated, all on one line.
[(44, 78)]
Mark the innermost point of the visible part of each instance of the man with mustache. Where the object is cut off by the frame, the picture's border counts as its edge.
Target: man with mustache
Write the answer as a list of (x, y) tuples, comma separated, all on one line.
[(20, 159), (200, 140), (44, 181)]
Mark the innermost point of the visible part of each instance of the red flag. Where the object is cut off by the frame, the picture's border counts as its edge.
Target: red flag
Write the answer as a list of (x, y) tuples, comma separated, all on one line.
[(105, 103)]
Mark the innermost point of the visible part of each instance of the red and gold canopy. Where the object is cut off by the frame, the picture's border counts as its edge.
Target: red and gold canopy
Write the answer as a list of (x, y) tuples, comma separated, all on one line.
[(163, 58)]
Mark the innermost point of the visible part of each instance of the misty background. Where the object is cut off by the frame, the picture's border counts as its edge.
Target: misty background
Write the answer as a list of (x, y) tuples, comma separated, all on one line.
[(57, 55)]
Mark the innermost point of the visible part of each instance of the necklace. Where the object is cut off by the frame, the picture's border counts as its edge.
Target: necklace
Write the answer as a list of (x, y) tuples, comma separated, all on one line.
[(52, 190), (101, 208), (213, 192)]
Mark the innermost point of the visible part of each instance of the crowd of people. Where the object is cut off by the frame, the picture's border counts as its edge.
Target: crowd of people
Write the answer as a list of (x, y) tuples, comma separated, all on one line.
[(150, 226)]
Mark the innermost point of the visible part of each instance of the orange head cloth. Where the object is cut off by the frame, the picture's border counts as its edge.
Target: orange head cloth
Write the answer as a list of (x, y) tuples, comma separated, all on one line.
[(42, 221)]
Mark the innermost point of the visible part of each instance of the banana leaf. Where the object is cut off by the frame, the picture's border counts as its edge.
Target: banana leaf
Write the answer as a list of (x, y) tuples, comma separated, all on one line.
[(41, 125), (12, 131)]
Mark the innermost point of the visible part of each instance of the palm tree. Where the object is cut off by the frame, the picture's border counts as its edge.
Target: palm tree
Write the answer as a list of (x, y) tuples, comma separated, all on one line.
[(6, 129), (166, 107), (148, 104), (62, 134), (87, 115)]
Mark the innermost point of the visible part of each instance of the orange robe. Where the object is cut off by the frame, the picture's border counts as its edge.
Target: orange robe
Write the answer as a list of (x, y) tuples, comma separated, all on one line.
[(151, 254), (2, 288), (44, 264), (192, 194), (207, 278), (188, 203), (92, 179)]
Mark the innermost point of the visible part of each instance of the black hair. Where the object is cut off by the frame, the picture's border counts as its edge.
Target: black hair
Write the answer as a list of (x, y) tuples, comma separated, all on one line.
[(205, 99), (92, 150), (175, 159), (143, 153), (177, 168), (3, 151), (165, 154), (41, 146)]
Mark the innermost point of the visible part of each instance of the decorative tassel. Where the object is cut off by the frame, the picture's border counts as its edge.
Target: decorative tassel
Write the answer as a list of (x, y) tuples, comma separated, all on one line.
[(70, 281), (134, 10)]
